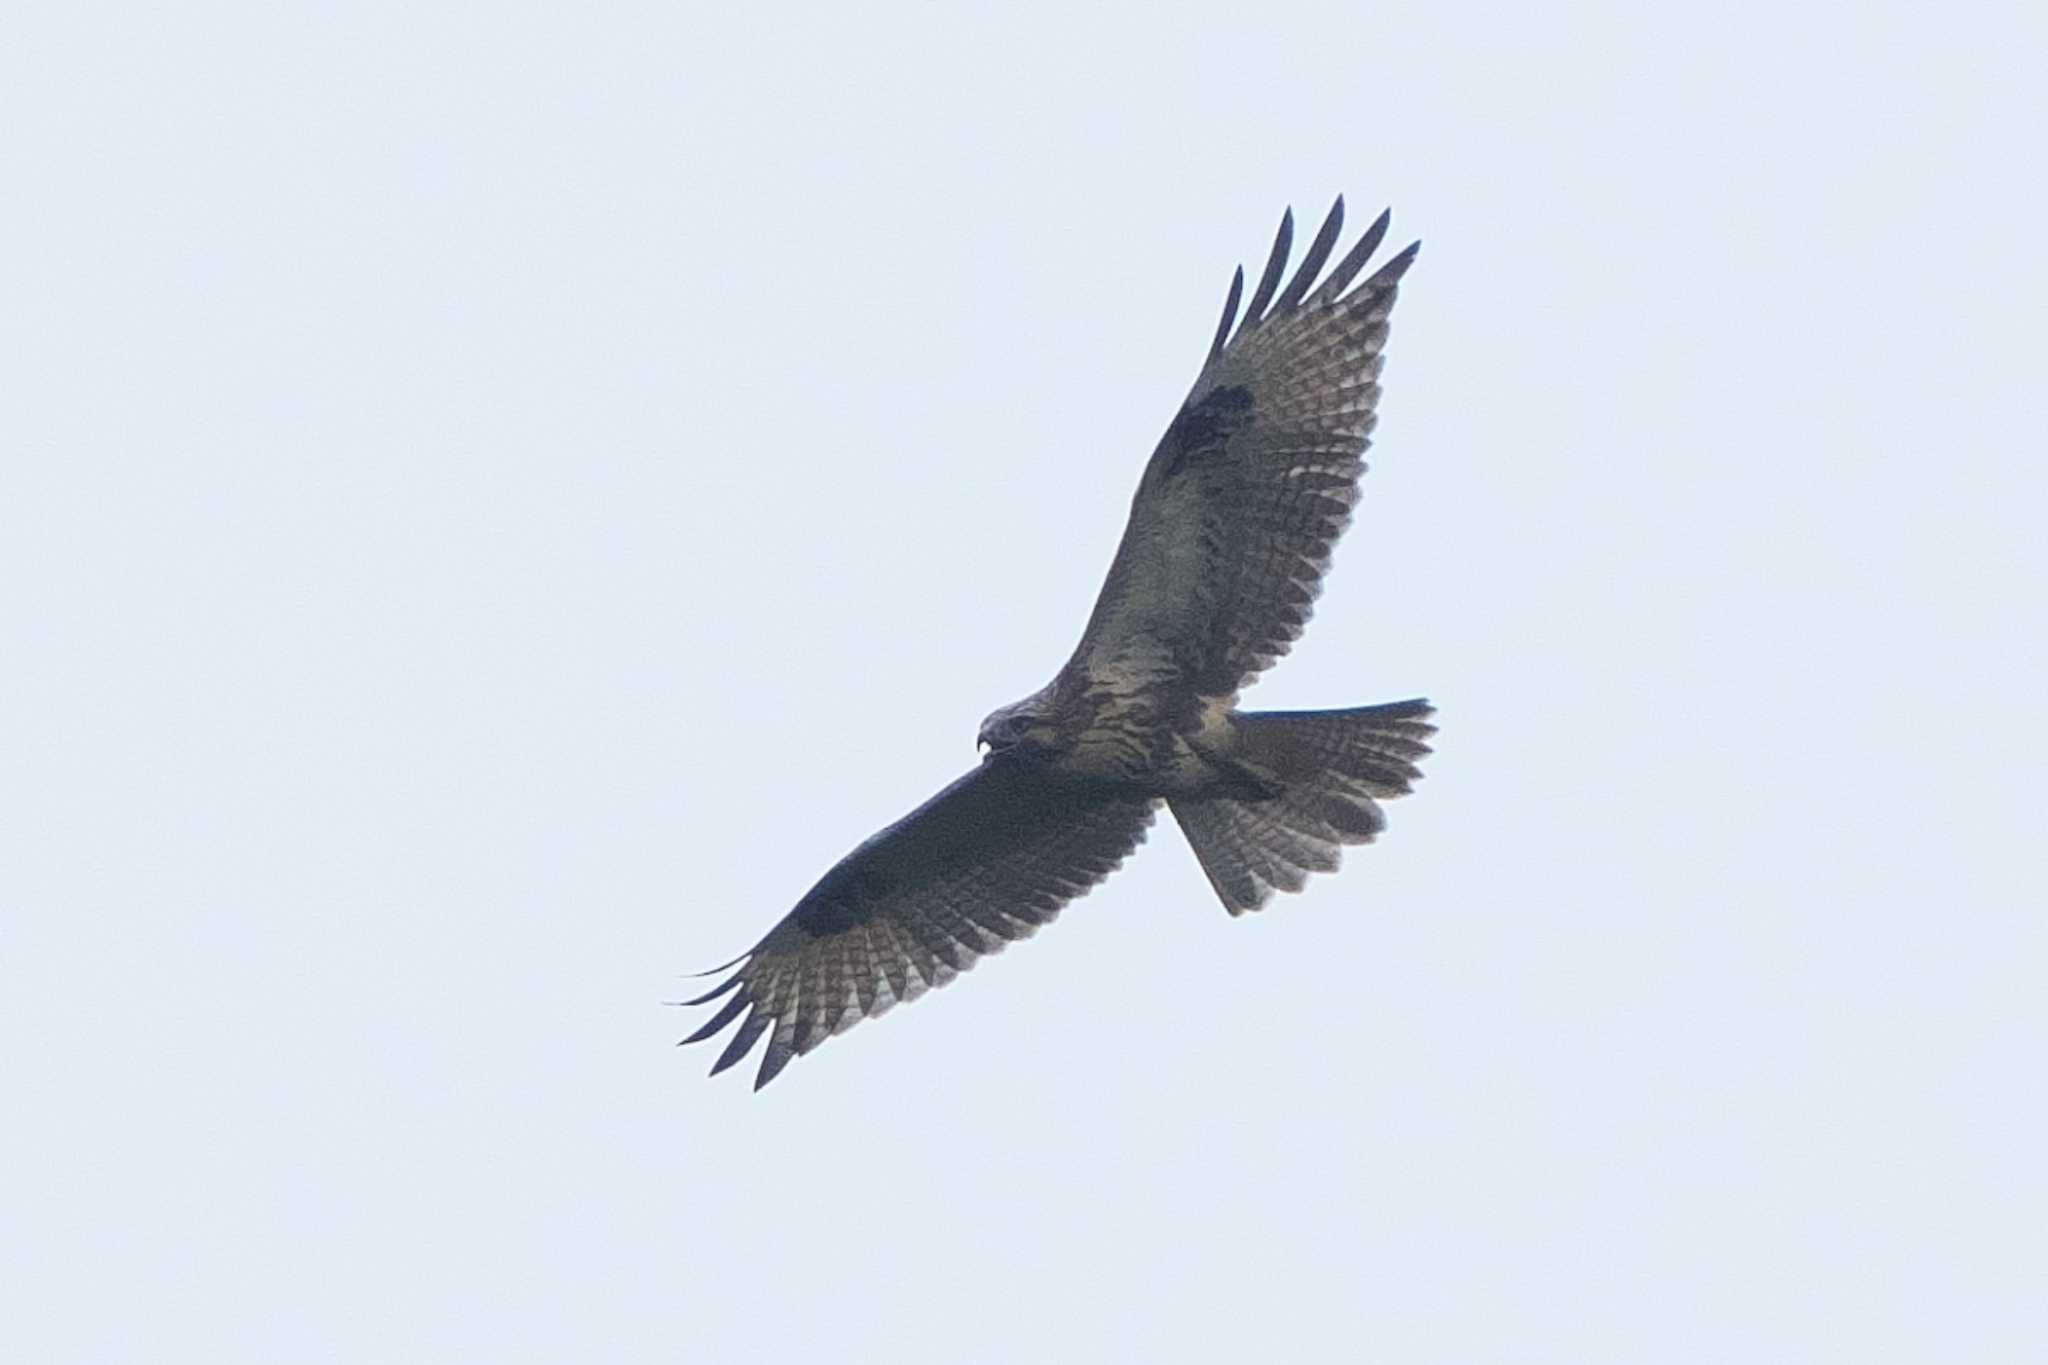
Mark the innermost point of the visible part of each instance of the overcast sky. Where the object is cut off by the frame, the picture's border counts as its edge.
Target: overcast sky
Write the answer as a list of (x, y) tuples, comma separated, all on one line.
[(495, 500)]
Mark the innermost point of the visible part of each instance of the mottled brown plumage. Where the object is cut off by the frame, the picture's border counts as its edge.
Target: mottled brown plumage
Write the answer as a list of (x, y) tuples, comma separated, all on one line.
[(1229, 536)]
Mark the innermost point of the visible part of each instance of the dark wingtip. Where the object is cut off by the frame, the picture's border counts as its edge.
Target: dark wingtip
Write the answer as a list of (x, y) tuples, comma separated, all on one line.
[(773, 1060), (720, 989), (1269, 279), (1312, 261), (1230, 303), (1396, 266), (725, 1016), (742, 1042), (1354, 260)]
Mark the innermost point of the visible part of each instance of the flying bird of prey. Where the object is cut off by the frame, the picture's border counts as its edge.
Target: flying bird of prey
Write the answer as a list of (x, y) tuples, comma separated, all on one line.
[(1229, 535)]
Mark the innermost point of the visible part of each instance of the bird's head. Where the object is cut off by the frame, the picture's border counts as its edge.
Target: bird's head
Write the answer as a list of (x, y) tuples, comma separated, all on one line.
[(1016, 728)]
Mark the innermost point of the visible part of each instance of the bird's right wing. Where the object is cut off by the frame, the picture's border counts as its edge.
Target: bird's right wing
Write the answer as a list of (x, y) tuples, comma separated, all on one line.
[(982, 864)]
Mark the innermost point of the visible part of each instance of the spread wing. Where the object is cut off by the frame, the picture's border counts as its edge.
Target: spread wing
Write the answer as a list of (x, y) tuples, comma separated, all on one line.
[(982, 864), (1233, 523)]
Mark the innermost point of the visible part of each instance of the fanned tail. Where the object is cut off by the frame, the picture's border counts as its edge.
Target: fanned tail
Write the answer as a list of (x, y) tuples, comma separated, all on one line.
[(1331, 769)]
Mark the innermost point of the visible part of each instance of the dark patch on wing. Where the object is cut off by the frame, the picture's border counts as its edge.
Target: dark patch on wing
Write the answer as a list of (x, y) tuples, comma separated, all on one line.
[(1207, 424), (843, 898), (986, 862), (1232, 527)]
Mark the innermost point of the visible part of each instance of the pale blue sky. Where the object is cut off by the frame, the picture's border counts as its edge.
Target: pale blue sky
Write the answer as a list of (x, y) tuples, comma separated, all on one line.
[(494, 500)]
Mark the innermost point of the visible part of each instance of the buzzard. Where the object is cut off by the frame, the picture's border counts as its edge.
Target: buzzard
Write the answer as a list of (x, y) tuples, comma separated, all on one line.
[(1229, 535)]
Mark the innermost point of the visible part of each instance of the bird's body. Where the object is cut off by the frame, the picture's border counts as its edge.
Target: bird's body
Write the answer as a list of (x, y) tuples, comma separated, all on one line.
[(1229, 535)]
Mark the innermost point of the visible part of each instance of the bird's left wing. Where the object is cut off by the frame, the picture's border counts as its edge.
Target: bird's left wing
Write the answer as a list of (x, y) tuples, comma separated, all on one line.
[(1244, 498), (982, 864)]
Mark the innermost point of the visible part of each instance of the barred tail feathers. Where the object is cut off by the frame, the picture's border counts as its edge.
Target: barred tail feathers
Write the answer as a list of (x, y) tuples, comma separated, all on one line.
[(1331, 770)]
